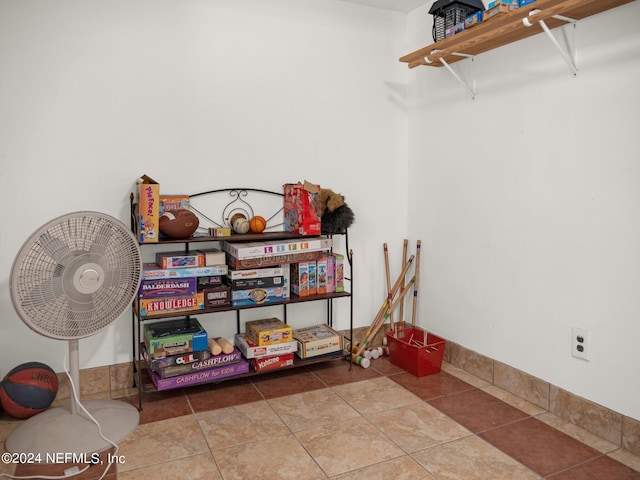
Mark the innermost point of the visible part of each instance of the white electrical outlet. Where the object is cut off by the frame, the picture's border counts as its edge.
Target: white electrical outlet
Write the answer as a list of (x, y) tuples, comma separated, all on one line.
[(580, 343)]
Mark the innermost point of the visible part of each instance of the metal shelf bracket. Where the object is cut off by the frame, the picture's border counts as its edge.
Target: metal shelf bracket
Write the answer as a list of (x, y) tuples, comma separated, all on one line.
[(569, 54), (471, 86)]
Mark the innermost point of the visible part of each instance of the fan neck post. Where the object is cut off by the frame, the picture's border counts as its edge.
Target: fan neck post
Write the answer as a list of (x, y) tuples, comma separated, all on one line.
[(74, 372)]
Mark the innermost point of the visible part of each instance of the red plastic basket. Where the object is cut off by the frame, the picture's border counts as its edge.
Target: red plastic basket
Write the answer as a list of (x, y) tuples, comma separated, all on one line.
[(408, 350)]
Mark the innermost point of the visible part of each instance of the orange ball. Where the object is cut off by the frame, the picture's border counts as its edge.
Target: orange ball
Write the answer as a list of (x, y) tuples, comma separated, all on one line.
[(257, 224)]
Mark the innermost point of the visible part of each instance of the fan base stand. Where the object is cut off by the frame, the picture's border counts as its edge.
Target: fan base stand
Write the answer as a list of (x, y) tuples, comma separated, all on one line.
[(57, 431)]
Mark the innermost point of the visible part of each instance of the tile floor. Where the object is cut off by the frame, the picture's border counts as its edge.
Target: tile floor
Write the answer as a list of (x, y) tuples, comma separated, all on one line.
[(327, 421)]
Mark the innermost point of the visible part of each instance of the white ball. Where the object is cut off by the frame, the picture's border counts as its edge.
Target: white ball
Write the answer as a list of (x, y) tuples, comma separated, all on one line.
[(241, 225)]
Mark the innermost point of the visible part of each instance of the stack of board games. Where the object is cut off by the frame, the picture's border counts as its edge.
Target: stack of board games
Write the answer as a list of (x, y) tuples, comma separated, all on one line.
[(268, 344), (180, 282), (317, 277), (211, 373), (177, 355), (273, 253), (269, 263), (257, 286), (266, 357), (308, 267), (195, 367)]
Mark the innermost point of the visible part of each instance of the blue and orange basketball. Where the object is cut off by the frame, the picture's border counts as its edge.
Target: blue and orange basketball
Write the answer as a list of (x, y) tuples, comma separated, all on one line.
[(28, 389)]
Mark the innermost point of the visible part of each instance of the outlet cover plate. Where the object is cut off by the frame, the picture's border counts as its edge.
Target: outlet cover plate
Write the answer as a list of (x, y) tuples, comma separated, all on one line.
[(580, 344)]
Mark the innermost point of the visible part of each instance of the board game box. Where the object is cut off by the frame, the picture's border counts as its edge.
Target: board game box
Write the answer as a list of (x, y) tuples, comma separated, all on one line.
[(162, 338), (173, 360), (252, 350), (255, 273), (246, 250), (274, 362), (168, 287), (268, 331), (196, 378), (317, 340), (160, 306), (211, 362), (153, 270), (179, 259), (256, 296)]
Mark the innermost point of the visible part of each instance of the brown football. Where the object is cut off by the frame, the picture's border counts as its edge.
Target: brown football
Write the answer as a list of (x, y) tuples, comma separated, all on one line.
[(178, 223)]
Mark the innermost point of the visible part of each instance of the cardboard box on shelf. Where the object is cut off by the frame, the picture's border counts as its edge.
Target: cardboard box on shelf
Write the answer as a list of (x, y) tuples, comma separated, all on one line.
[(173, 360), (300, 215), (452, 30), (219, 232), (331, 273), (216, 296), (148, 198), (255, 273), (256, 296), (160, 338), (268, 331), (204, 376), (252, 350), (498, 8), (168, 287), (317, 340), (286, 281), (153, 270), (339, 272), (321, 276), (313, 284), (171, 202), (273, 261), (209, 281), (150, 307), (180, 259), (473, 19), (247, 250), (274, 362), (213, 361), (300, 279), (213, 256), (249, 283), (510, 4)]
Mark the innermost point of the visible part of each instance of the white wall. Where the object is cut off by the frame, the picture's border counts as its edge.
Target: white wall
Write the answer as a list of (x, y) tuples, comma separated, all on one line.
[(199, 95), (527, 200)]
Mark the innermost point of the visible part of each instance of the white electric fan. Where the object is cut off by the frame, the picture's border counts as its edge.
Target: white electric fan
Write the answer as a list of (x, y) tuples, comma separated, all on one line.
[(72, 278)]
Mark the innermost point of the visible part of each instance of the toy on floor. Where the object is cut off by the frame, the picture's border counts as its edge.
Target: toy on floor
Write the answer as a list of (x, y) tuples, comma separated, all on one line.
[(28, 389)]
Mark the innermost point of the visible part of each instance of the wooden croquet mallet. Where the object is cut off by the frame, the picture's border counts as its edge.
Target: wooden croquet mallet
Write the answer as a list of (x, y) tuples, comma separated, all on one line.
[(416, 285), (405, 246), (388, 275), (384, 317), (386, 302)]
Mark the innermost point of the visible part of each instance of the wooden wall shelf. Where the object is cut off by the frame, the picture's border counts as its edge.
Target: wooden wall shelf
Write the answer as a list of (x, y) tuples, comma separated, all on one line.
[(506, 28)]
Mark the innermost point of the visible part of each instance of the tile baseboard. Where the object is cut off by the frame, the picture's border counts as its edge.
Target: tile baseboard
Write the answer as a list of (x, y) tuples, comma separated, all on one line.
[(110, 381)]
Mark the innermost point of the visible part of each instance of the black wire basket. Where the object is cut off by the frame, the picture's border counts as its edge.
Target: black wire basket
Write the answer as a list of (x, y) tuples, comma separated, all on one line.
[(448, 13)]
